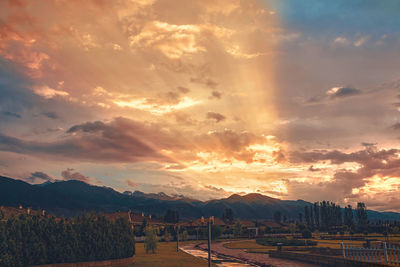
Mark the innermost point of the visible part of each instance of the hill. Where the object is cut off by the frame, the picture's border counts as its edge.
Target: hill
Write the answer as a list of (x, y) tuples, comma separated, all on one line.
[(73, 197)]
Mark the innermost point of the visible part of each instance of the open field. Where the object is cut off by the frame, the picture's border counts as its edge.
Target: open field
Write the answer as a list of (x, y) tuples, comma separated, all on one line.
[(250, 246), (166, 256)]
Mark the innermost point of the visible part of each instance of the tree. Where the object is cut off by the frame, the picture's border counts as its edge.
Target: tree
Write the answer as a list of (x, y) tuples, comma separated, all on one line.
[(348, 216), (143, 227), (277, 216), (216, 231), (395, 230), (238, 229), (150, 240), (311, 217), (307, 216), (292, 228), (171, 216), (362, 218), (228, 216), (35, 240), (167, 236), (306, 233), (316, 214), (300, 217), (185, 235)]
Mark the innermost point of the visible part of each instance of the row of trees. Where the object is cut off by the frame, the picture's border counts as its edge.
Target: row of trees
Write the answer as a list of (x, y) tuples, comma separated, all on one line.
[(325, 215), (32, 240)]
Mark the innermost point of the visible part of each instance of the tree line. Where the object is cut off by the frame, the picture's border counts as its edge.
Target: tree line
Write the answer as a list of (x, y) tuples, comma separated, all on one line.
[(326, 215), (33, 240)]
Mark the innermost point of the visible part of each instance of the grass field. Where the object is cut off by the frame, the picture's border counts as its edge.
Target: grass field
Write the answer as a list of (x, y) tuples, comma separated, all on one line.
[(166, 256), (250, 246)]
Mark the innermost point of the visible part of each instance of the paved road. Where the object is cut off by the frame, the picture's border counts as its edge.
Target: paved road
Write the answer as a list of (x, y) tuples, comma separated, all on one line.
[(256, 258)]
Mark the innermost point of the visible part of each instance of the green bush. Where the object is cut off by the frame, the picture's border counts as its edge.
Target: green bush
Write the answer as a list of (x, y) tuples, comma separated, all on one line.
[(284, 242)]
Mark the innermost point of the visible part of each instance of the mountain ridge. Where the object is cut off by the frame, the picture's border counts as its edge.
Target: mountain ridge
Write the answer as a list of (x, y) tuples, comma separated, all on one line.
[(72, 197)]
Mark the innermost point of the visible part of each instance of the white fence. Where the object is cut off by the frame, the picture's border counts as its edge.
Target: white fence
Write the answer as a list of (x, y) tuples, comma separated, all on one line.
[(384, 253)]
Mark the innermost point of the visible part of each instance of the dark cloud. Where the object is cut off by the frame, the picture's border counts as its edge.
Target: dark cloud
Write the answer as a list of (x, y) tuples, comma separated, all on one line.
[(204, 81), (88, 127), (229, 143), (368, 145), (41, 176), (71, 174), (397, 104), (312, 169), (396, 126), (341, 92), (216, 95), (90, 141), (335, 93), (131, 183), (125, 140), (279, 156), (11, 114), (183, 90), (15, 95), (215, 116), (50, 115)]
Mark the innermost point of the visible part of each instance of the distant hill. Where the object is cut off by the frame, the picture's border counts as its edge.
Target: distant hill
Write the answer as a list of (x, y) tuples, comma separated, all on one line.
[(73, 197)]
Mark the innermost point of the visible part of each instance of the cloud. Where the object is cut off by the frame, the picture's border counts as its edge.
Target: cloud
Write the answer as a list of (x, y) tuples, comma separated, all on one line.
[(50, 115), (183, 90), (131, 183), (342, 92), (373, 166), (69, 174), (200, 192), (312, 169), (205, 81), (216, 95), (11, 114), (39, 177), (173, 41), (334, 94), (125, 140), (396, 126), (215, 116), (48, 92), (14, 93)]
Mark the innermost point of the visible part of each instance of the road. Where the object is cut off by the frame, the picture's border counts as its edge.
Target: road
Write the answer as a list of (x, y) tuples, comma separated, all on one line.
[(254, 258)]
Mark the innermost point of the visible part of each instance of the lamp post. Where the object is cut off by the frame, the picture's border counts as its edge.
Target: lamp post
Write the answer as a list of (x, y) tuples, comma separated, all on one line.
[(210, 222), (177, 237)]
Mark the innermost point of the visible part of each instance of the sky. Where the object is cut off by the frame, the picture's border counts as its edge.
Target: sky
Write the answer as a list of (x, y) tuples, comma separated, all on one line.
[(291, 99)]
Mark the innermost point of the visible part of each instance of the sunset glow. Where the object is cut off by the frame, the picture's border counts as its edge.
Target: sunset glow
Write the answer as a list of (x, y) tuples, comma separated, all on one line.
[(204, 98)]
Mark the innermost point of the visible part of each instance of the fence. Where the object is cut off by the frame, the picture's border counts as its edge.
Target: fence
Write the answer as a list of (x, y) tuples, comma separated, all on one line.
[(384, 253)]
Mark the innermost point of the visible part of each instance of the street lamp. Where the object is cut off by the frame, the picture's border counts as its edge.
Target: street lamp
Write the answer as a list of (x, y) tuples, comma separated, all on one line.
[(177, 236), (210, 222)]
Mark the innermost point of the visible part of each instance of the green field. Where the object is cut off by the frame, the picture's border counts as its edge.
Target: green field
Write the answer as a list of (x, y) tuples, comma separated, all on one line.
[(166, 256), (252, 246)]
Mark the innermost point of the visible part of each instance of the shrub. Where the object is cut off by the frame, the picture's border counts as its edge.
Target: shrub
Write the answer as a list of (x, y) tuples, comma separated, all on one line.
[(306, 233), (150, 240), (284, 242)]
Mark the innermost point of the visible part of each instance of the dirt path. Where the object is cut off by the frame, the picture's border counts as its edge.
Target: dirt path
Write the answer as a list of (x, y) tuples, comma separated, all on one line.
[(255, 258)]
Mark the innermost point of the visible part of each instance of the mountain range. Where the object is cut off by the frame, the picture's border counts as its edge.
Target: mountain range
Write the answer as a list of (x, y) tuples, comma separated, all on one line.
[(72, 197)]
